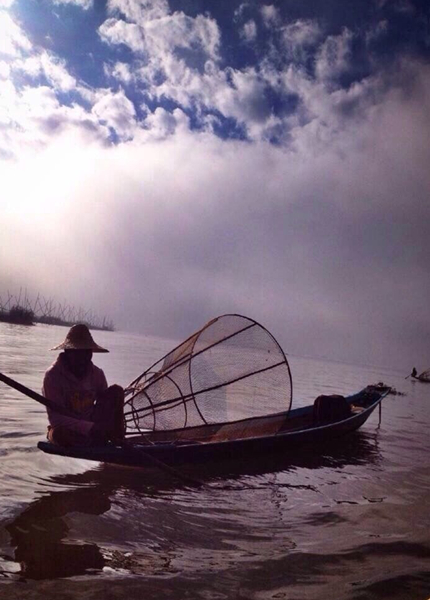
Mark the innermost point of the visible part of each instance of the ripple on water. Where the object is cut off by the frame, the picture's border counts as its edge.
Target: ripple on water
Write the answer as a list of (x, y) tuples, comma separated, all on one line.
[(341, 522)]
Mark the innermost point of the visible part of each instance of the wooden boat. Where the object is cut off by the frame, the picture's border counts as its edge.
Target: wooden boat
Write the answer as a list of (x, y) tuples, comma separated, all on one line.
[(298, 429), (424, 377)]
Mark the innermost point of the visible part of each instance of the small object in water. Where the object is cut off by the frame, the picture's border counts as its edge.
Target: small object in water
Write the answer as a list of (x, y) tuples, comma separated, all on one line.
[(394, 392), (424, 376)]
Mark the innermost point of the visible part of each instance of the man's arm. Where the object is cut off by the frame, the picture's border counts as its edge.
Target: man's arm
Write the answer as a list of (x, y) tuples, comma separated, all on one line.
[(53, 392)]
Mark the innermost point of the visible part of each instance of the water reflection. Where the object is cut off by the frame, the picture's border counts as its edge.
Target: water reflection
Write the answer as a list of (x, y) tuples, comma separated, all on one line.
[(46, 548), (360, 448), (44, 545), (349, 521), (39, 534)]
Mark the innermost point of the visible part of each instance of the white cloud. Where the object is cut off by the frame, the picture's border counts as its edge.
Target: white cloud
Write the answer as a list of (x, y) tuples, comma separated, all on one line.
[(178, 59), (139, 11), (118, 112), (245, 100), (249, 31), (178, 81), (51, 67), (162, 124), (120, 71), (184, 226), (168, 42), (239, 12), (6, 3), (4, 70), (117, 31), (178, 31), (270, 15), (12, 39), (299, 36), (85, 4), (234, 93), (33, 117), (334, 56)]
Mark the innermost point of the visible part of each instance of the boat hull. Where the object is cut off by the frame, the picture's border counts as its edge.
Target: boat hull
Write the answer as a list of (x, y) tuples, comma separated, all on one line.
[(191, 452)]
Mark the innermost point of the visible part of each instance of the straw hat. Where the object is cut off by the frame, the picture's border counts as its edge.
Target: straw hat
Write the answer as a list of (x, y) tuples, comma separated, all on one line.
[(79, 338)]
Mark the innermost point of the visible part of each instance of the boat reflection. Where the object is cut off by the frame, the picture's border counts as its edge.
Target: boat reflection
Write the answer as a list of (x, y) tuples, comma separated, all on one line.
[(357, 449), (46, 548), (39, 534)]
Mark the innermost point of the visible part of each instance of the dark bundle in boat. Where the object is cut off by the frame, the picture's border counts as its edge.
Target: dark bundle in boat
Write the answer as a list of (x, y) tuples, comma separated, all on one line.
[(231, 369)]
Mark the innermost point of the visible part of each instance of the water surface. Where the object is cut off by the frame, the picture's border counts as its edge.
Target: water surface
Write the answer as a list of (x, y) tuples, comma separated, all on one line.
[(350, 520)]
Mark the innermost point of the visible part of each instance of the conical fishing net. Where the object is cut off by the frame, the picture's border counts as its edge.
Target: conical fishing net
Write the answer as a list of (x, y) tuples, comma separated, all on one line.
[(229, 370), (425, 375)]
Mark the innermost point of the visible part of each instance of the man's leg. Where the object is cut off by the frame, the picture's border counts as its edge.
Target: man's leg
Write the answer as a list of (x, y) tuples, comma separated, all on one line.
[(108, 415), (62, 436)]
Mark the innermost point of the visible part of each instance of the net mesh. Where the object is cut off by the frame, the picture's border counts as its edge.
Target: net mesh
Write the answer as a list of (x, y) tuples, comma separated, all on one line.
[(425, 375), (231, 369)]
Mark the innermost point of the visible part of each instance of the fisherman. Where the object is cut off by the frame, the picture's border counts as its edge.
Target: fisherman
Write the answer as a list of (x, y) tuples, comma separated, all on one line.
[(79, 388)]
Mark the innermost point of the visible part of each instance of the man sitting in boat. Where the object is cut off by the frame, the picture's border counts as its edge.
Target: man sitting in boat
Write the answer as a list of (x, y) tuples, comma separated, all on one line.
[(91, 413)]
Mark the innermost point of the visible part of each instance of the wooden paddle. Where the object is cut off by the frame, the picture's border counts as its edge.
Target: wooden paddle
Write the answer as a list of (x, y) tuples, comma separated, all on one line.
[(35, 396)]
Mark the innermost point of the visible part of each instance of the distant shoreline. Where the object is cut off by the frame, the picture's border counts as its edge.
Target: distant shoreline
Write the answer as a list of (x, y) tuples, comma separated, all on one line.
[(28, 318), (19, 309)]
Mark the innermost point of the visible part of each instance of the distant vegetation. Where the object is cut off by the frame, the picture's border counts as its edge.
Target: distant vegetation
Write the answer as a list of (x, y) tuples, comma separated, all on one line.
[(20, 309), (19, 315)]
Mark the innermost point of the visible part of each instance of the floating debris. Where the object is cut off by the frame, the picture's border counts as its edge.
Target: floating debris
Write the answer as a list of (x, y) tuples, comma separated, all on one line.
[(392, 392)]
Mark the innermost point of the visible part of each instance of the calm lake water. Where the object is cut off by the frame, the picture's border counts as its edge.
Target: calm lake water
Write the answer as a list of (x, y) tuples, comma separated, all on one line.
[(350, 521)]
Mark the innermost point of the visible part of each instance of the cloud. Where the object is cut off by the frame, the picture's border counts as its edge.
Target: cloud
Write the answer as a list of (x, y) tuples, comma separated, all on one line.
[(31, 111), (117, 112), (244, 99), (116, 31), (120, 71), (152, 30), (12, 40), (49, 66), (172, 50), (249, 31), (139, 11), (177, 184), (32, 117), (162, 124), (4, 70), (334, 56), (177, 58), (270, 15), (85, 4), (375, 33), (179, 31), (180, 226), (299, 37)]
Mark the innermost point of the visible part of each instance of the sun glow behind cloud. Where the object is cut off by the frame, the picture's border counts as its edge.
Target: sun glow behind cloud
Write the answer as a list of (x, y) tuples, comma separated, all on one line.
[(38, 190)]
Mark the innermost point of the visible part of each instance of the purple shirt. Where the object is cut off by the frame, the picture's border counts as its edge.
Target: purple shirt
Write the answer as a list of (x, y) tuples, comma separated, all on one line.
[(78, 395)]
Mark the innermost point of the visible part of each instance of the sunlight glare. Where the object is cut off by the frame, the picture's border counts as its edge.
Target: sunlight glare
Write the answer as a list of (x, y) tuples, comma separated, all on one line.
[(41, 189)]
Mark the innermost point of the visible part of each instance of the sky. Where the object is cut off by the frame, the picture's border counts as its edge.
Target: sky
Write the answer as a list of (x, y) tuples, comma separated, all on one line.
[(163, 162)]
